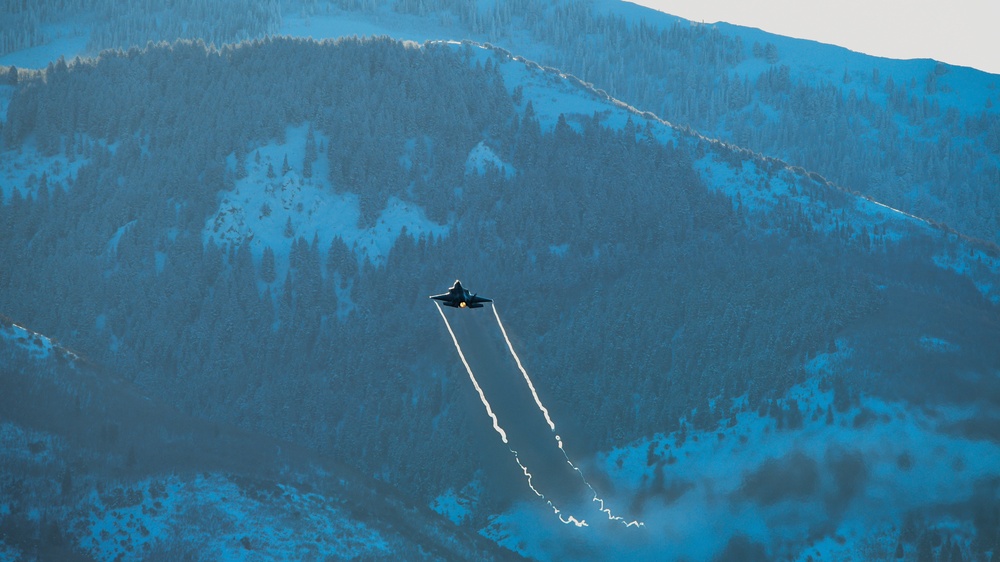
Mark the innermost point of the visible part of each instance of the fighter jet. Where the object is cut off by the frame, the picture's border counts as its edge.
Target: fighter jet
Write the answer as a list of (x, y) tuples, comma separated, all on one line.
[(459, 297)]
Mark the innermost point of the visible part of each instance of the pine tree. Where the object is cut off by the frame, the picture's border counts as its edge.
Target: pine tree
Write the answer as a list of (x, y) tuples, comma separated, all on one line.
[(67, 483), (925, 552), (307, 168), (955, 553), (794, 416), (267, 273), (310, 153), (241, 165), (771, 53)]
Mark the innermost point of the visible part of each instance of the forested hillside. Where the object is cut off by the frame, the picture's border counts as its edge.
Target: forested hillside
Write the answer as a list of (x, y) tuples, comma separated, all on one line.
[(611, 225), (917, 135), (920, 136), (657, 281), (94, 469), (108, 24), (115, 262)]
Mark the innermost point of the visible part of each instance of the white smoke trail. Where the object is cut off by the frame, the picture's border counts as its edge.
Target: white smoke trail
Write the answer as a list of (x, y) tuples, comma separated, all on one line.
[(527, 379), (503, 434), (475, 383), (552, 426)]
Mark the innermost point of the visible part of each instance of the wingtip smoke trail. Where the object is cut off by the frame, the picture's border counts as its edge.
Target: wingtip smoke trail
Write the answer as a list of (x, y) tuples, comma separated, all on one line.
[(552, 426), (570, 520), (524, 373), (475, 383)]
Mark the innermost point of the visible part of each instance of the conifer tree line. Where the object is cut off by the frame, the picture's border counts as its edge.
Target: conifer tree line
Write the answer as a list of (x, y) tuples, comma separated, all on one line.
[(930, 155), (726, 305), (109, 24)]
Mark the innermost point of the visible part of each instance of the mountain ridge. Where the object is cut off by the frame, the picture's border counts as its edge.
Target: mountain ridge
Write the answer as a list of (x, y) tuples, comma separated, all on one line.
[(687, 281), (945, 117)]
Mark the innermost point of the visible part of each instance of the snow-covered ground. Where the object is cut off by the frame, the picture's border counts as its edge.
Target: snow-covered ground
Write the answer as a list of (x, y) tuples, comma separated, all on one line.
[(8, 552), (333, 23), (553, 94), (223, 519), (274, 211), (482, 157), (27, 446), (457, 506), (820, 484), (983, 269), (37, 345), (908, 461), (64, 40), (756, 191), (21, 169)]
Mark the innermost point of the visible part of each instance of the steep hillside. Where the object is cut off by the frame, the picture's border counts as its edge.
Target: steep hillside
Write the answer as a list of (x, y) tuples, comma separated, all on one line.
[(256, 247), (918, 135), (93, 469)]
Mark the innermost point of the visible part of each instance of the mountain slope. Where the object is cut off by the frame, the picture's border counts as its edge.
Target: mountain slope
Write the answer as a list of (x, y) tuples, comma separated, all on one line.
[(654, 278), (918, 135), (96, 470)]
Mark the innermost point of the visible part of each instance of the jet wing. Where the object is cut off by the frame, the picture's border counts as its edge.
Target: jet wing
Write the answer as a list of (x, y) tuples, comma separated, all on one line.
[(458, 297), (446, 297)]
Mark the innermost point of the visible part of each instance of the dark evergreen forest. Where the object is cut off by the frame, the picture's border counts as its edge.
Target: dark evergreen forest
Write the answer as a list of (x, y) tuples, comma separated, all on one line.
[(899, 135), (905, 140), (110, 24), (669, 296), (899, 139)]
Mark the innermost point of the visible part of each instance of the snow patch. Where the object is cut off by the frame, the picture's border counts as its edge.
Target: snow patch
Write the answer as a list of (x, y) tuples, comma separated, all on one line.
[(690, 486), (458, 506), (890, 437), (274, 211), (37, 345), (983, 269), (225, 520), (482, 158), (111, 248), (8, 552), (22, 170), (937, 344), (66, 40), (558, 249), (335, 23), (34, 448), (520, 530)]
